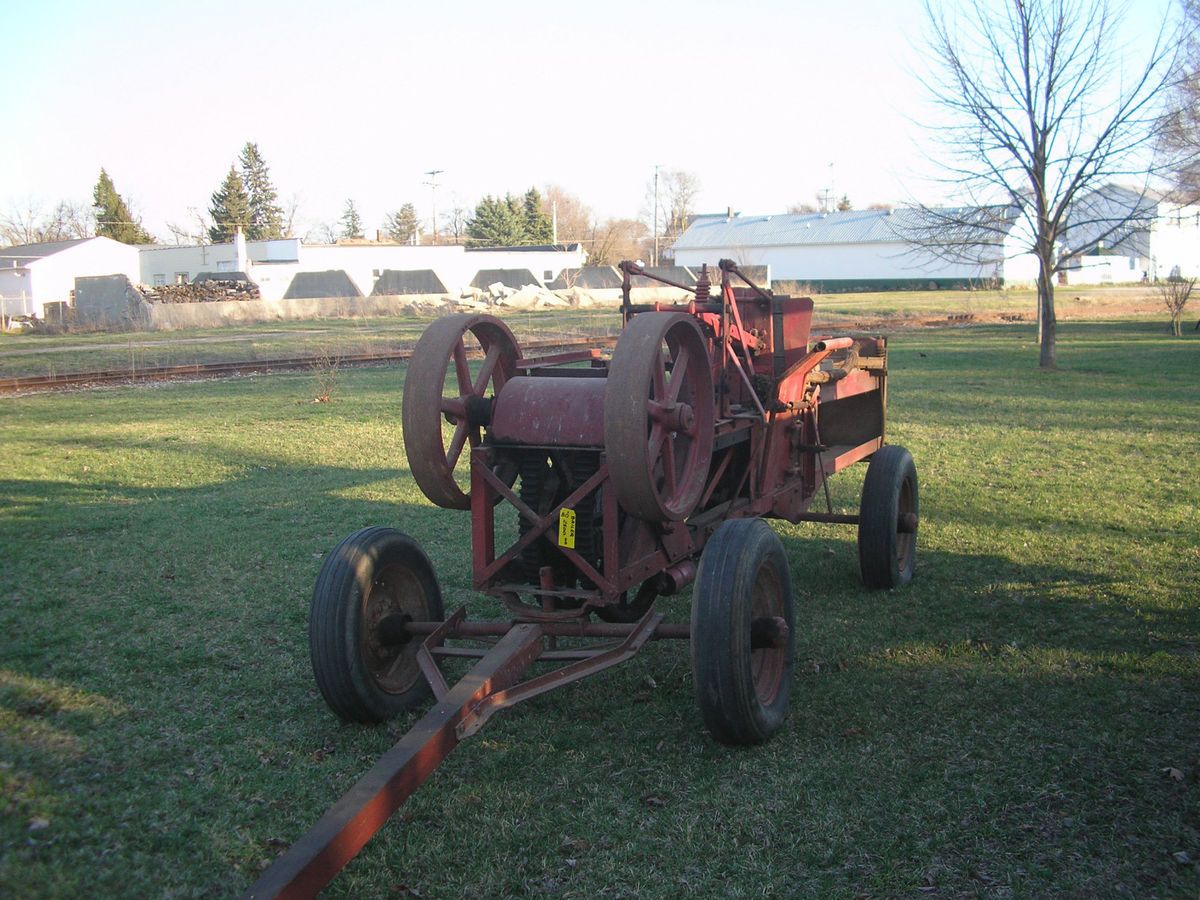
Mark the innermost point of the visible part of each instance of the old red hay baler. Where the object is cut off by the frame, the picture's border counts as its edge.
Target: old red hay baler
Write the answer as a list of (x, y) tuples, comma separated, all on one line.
[(629, 479)]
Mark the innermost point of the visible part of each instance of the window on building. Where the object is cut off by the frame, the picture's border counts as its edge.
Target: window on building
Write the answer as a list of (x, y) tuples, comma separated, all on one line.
[(181, 277), (159, 280)]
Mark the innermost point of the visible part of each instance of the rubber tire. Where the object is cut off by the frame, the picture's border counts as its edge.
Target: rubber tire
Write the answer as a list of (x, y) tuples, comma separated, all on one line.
[(881, 549), (722, 611), (335, 623)]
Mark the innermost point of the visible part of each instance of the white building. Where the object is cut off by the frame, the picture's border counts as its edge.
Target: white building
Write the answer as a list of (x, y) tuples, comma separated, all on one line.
[(273, 264), (32, 275), (1119, 234), (855, 249)]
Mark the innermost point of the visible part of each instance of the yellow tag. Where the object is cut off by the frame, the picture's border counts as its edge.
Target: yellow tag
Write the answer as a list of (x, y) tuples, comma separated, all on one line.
[(566, 528)]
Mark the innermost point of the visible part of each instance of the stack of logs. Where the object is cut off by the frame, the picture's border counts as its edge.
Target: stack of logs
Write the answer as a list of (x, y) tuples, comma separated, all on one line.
[(201, 292)]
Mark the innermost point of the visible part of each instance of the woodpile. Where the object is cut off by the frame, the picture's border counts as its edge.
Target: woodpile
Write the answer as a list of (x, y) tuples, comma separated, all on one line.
[(201, 292)]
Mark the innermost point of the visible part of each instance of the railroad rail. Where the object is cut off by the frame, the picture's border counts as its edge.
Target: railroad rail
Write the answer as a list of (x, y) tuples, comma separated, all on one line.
[(65, 380)]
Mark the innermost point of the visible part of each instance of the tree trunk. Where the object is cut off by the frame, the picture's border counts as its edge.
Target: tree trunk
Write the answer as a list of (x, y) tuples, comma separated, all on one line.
[(1046, 320), (1175, 324)]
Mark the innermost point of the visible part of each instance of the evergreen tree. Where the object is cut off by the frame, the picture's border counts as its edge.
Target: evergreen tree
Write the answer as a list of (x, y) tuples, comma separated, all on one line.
[(497, 223), (266, 217), (113, 217), (351, 221), (230, 208), (844, 205), (538, 227), (401, 226)]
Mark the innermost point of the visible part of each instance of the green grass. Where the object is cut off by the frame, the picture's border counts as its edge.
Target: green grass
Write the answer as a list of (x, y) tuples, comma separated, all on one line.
[(58, 354), (1005, 725), (47, 354)]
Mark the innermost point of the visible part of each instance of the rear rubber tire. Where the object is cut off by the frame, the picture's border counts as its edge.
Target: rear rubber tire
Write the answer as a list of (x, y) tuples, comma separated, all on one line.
[(887, 556), (371, 574), (743, 693)]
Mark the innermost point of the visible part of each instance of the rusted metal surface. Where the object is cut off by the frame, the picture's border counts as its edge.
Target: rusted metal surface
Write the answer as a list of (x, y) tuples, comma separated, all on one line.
[(559, 412), (534, 687), (441, 357), (337, 837), (658, 417), (617, 475), (579, 628)]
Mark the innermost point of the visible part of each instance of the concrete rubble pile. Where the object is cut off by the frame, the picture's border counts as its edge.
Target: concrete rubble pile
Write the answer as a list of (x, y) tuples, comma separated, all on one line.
[(201, 292), (531, 296)]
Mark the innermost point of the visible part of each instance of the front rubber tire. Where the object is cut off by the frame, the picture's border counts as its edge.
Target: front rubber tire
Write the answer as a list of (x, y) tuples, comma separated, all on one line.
[(371, 574), (887, 554), (743, 693)]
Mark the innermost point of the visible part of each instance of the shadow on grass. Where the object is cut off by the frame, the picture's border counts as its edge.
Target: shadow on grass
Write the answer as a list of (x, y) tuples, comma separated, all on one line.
[(191, 648), (995, 723)]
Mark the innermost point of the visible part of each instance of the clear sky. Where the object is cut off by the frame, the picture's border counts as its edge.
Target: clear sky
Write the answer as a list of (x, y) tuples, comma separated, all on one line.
[(766, 102)]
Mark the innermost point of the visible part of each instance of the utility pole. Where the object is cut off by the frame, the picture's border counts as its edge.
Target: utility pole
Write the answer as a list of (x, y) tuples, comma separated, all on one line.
[(656, 168), (432, 183)]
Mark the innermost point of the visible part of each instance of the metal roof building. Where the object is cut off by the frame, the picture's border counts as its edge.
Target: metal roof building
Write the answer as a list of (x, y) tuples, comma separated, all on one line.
[(855, 249)]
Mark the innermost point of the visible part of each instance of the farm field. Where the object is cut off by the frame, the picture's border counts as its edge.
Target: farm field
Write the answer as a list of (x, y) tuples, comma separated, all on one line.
[(1020, 720), (45, 354)]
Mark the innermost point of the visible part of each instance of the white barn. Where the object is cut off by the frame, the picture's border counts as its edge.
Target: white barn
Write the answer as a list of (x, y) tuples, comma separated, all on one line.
[(855, 249), (32, 275)]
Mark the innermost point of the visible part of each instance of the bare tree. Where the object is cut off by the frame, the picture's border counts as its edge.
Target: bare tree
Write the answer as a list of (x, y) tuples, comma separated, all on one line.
[(21, 222), (453, 222), (324, 233), (194, 231), (677, 190), (616, 239), (1175, 293), (69, 221), (802, 208), (1043, 110), (291, 210), (24, 222), (573, 217), (1181, 136)]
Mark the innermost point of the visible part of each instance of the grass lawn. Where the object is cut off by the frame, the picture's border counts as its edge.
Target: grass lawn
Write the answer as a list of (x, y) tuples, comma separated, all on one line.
[(48, 354), (1020, 720), (57, 354)]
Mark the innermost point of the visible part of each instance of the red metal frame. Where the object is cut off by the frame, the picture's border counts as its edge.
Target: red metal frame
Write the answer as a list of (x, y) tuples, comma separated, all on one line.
[(753, 339), (779, 395)]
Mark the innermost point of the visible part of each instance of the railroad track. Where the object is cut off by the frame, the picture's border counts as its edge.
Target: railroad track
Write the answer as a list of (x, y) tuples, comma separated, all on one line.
[(245, 367)]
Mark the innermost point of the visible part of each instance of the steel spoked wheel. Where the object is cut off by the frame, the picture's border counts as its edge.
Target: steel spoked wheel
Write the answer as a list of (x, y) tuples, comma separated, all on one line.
[(364, 661), (887, 519), (440, 387), (658, 416), (743, 626)]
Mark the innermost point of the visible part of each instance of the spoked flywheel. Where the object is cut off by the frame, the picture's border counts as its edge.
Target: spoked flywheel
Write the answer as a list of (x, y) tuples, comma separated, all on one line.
[(441, 386), (658, 416)]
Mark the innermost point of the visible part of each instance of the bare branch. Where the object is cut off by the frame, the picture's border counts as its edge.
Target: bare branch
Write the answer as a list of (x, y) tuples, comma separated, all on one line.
[(1044, 111)]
